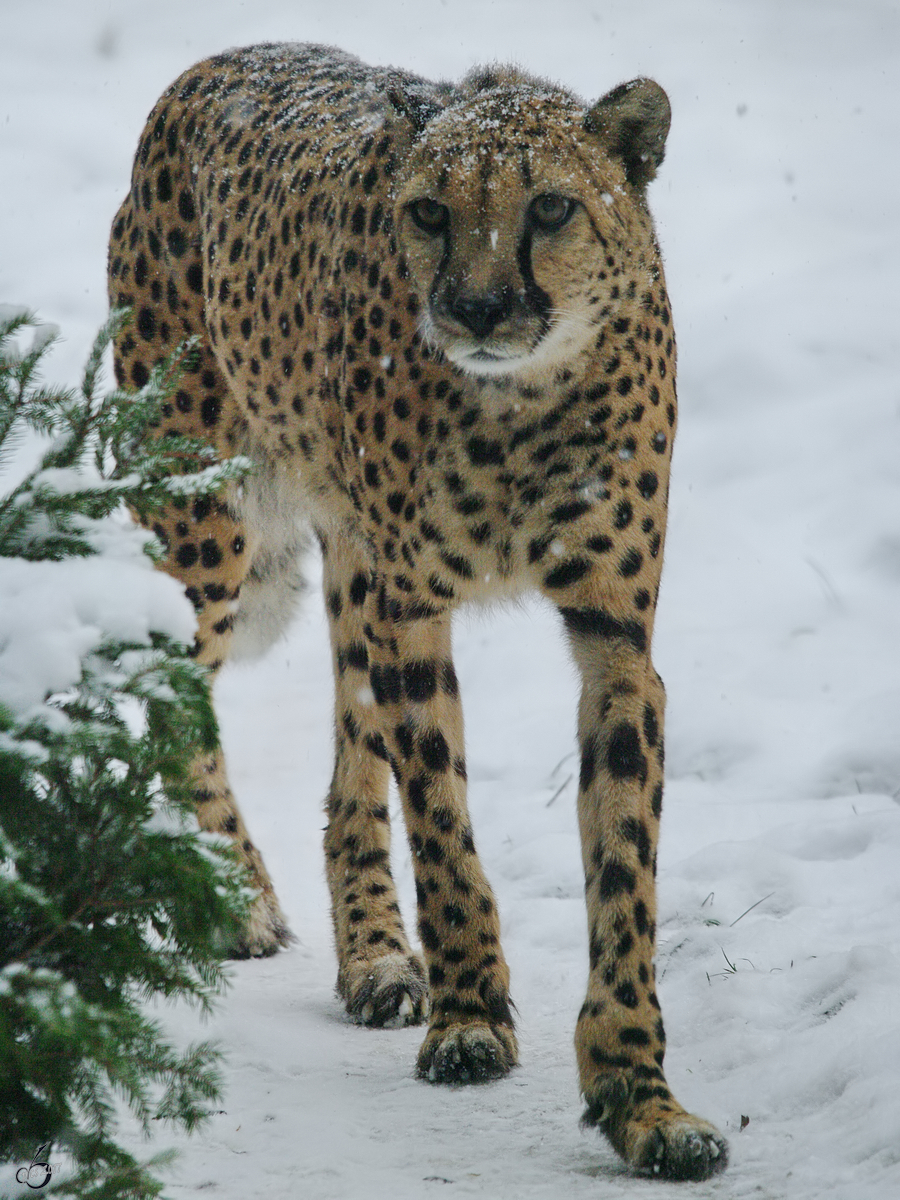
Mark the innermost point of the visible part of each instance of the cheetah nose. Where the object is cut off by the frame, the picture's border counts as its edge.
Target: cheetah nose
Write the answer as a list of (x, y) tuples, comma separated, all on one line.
[(480, 314)]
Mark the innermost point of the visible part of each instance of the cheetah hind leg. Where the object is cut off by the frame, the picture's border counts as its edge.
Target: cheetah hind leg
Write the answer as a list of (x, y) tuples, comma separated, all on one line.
[(258, 565), (381, 980), (244, 545), (270, 588), (266, 930), (213, 585)]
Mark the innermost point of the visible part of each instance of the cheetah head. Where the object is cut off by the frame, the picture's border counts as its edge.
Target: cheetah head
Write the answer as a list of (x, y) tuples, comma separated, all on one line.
[(522, 217)]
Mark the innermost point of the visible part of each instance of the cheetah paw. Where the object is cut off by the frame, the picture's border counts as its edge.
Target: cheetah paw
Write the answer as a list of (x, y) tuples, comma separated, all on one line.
[(266, 931), (665, 1144), (467, 1054), (684, 1149), (385, 992), (689, 1149)]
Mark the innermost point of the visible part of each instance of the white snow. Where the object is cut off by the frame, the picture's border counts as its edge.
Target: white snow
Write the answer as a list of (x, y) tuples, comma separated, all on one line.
[(777, 635), (53, 614)]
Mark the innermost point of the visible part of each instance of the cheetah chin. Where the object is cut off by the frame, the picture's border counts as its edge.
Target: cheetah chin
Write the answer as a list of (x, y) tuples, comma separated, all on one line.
[(495, 361)]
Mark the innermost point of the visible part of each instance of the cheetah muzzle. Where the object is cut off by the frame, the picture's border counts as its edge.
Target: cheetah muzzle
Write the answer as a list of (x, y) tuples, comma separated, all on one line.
[(435, 315)]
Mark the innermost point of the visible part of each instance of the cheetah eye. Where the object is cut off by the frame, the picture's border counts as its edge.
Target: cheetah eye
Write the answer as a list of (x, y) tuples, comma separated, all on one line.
[(430, 215), (550, 212)]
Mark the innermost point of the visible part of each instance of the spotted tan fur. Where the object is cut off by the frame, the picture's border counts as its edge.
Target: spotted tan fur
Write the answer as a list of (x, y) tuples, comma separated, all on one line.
[(436, 318)]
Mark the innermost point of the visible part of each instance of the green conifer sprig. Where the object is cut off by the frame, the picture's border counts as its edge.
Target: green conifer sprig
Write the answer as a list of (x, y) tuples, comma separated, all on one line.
[(109, 896), (101, 454)]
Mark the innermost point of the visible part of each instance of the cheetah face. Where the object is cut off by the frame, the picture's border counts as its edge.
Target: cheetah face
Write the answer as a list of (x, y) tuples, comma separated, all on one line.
[(487, 310), (518, 220)]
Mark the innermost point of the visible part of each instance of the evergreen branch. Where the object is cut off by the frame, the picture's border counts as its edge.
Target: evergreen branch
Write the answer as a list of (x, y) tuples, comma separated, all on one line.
[(108, 894)]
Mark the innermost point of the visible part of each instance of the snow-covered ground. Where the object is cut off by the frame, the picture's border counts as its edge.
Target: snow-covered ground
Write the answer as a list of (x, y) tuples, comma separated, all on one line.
[(779, 211)]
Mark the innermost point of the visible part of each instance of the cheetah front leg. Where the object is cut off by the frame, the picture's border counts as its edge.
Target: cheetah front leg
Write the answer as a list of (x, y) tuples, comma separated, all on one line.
[(620, 1040), (416, 697)]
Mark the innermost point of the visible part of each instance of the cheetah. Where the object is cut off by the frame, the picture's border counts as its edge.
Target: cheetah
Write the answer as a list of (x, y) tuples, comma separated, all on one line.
[(435, 318)]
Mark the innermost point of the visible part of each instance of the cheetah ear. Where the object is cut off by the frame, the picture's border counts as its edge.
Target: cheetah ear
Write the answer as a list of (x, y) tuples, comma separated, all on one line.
[(412, 101), (633, 122)]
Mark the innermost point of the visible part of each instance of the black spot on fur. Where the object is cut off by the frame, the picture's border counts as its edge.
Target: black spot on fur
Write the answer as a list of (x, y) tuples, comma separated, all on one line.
[(624, 757), (616, 879), (434, 750), (588, 763), (596, 622), (420, 680)]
